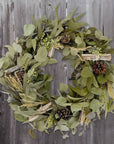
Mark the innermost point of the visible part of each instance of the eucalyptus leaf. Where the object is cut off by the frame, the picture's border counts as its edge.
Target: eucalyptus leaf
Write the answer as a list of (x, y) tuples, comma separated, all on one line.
[(63, 87), (79, 106), (41, 54), (66, 51), (95, 105), (17, 48), (86, 72), (78, 40), (52, 61), (61, 101), (19, 117), (28, 29)]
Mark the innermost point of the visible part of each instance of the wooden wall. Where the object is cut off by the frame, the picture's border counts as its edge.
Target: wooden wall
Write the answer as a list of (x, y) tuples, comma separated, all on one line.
[(13, 15)]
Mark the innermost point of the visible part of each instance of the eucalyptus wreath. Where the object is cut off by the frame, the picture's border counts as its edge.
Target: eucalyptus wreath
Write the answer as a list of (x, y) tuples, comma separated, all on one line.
[(92, 90)]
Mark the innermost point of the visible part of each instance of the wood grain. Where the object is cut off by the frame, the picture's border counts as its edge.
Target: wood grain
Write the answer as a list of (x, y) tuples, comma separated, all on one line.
[(13, 15)]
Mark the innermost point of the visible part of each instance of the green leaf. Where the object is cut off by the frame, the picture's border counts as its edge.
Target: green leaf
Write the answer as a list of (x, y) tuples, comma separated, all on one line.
[(11, 51), (74, 26), (101, 79), (61, 101), (30, 72), (74, 52), (14, 107), (79, 106), (110, 90), (61, 128), (28, 29), (95, 105), (81, 92), (98, 34), (41, 125), (74, 98), (34, 44), (41, 54), (1, 63), (24, 59), (66, 51), (17, 48), (63, 87), (82, 45), (78, 17), (109, 77), (78, 40), (97, 91), (29, 43), (86, 72), (95, 83), (68, 17), (52, 61), (20, 118), (8, 62), (55, 23), (104, 38), (39, 22)]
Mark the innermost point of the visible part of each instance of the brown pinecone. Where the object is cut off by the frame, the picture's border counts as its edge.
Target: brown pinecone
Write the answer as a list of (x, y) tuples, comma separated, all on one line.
[(20, 75), (63, 113), (99, 67), (65, 38)]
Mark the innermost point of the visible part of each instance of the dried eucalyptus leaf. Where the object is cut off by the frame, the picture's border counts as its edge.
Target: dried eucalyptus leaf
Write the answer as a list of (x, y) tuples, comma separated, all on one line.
[(81, 92), (61, 128), (78, 40), (28, 29), (21, 61), (61, 101), (101, 79), (95, 105), (66, 51), (79, 106), (97, 91), (74, 52), (41, 125), (86, 72), (41, 54), (29, 43), (63, 87), (11, 51), (20, 118), (52, 61), (98, 34), (17, 48)]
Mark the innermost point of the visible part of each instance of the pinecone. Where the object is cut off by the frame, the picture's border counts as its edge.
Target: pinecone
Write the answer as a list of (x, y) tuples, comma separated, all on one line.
[(65, 38), (63, 113), (19, 75), (99, 67)]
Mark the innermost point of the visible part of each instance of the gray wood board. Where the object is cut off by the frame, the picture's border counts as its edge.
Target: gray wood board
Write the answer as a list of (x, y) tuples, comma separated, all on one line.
[(13, 15)]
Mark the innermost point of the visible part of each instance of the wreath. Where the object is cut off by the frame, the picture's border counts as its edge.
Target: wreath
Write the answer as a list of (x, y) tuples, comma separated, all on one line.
[(92, 90)]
